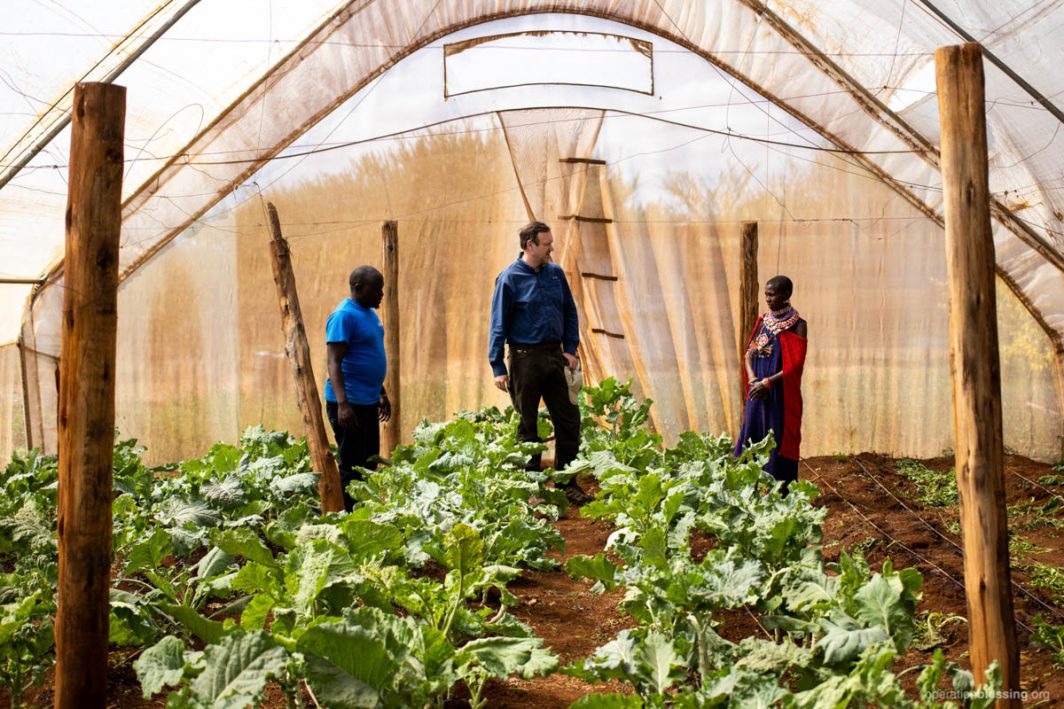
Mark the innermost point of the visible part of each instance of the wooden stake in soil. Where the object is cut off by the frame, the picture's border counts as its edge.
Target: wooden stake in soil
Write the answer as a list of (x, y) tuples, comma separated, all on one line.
[(87, 393), (975, 366), (392, 435), (298, 350), (748, 293)]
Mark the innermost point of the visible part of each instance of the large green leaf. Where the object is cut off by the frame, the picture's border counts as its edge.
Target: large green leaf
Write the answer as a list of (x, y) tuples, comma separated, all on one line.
[(313, 567), (464, 556), (727, 582), (834, 692), (160, 665), (178, 512), (237, 668), (226, 495), (207, 630), (844, 640), (298, 483), (463, 549), (654, 544), (213, 563), (244, 542), (129, 622), (502, 657), (257, 578), (334, 687), (619, 653), (14, 615), (598, 567), (885, 601), (257, 611), (816, 589), (658, 658), (149, 553), (766, 656), (367, 539), (350, 657), (650, 493)]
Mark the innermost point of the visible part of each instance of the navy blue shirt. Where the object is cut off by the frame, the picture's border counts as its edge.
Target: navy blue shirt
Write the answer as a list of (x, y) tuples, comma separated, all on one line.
[(531, 307), (364, 364)]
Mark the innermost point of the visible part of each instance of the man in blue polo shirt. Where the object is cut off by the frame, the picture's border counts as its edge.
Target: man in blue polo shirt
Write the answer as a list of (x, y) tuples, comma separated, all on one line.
[(355, 400), (533, 312)]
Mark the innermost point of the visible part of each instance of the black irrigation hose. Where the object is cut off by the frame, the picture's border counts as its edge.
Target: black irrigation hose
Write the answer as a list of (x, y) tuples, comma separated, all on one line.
[(894, 541), (1038, 485), (955, 545)]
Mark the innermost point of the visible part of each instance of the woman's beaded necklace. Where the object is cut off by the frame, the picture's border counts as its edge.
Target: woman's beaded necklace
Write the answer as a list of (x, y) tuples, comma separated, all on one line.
[(772, 324), (776, 321)]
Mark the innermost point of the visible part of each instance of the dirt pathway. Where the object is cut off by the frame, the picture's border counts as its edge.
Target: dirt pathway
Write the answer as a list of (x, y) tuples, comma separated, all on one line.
[(571, 619)]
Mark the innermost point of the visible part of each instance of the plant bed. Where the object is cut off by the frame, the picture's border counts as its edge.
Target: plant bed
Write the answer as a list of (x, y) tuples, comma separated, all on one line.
[(511, 517)]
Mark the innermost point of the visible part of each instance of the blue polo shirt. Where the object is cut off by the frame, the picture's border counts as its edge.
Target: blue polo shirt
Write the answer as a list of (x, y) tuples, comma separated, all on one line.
[(364, 364), (531, 307)]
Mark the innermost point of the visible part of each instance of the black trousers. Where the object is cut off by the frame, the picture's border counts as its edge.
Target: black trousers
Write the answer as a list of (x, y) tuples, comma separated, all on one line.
[(357, 444), (540, 374)]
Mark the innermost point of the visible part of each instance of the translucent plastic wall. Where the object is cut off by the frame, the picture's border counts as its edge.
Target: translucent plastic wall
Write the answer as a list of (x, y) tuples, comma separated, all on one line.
[(646, 211), (12, 411), (202, 354)]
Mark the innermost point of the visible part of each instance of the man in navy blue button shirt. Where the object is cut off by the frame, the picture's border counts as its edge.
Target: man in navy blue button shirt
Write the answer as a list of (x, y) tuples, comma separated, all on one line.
[(534, 314)]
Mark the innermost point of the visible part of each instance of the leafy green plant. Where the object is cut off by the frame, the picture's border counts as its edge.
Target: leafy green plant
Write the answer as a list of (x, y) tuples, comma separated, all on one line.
[(930, 626), (836, 627), (1031, 515), (1047, 577), (1022, 546), (27, 641), (933, 488), (865, 545), (1051, 637)]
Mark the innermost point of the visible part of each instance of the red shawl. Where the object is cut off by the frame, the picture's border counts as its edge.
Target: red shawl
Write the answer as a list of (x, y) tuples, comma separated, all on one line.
[(794, 348)]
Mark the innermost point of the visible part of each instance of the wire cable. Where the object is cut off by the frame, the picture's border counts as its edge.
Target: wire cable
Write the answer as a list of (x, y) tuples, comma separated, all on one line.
[(895, 542), (949, 541)]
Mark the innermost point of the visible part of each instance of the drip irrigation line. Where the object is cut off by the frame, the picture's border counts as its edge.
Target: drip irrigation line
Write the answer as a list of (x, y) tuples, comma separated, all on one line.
[(895, 542), (755, 619), (1039, 485), (954, 544)]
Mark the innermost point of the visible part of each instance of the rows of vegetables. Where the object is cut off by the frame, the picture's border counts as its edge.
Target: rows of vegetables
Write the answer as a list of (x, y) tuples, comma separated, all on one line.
[(229, 576), (229, 579), (829, 632)]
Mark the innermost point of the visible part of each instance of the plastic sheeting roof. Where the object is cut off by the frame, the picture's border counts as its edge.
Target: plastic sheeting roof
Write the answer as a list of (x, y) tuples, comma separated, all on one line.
[(860, 71), (217, 88)]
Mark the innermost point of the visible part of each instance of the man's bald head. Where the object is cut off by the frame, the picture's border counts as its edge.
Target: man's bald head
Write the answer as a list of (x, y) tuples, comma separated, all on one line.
[(367, 286)]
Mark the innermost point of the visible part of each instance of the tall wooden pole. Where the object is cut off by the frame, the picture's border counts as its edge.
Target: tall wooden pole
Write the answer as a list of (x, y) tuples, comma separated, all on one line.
[(748, 293), (392, 435), (87, 393), (296, 347), (975, 366)]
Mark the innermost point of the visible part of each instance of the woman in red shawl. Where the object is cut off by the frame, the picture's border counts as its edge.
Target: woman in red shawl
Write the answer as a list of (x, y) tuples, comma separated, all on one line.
[(774, 360)]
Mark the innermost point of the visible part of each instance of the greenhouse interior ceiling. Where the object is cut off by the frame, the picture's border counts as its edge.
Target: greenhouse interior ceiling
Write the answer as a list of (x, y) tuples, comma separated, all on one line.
[(646, 132)]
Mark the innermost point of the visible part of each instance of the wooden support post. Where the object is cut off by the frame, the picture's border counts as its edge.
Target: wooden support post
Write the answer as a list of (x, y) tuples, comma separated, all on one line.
[(298, 350), (749, 290), (87, 394), (975, 365), (392, 435)]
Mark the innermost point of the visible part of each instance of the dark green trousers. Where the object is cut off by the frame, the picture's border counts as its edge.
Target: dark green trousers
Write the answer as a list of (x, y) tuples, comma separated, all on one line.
[(537, 374)]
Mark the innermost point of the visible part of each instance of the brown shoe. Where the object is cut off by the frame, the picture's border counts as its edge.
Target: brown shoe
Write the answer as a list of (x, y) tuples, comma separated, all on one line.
[(576, 495)]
